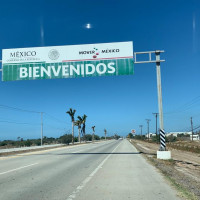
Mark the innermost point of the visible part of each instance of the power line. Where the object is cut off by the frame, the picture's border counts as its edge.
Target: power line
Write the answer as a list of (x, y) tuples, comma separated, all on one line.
[(30, 111), (188, 129), (18, 109), (55, 118), (196, 128), (47, 125), (186, 106), (10, 122)]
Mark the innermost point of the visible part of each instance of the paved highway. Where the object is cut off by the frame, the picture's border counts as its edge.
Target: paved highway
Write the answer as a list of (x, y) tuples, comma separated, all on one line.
[(99, 171)]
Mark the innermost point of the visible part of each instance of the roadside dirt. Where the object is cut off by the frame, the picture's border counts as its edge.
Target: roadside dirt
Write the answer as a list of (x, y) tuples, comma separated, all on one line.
[(4, 154), (184, 168)]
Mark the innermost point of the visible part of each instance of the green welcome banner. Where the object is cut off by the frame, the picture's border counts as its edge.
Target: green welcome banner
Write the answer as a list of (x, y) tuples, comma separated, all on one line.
[(108, 59)]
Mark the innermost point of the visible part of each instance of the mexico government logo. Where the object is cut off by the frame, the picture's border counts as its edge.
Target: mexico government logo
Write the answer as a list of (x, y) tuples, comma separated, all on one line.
[(53, 54)]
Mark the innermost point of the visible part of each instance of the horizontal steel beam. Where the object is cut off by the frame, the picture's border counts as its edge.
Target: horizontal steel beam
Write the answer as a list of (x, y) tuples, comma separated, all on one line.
[(152, 61), (147, 52), (157, 52)]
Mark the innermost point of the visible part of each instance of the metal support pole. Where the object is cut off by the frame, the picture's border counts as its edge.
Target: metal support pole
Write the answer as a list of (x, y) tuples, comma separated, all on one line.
[(160, 107), (72, 132), (148, 120), (156, 114), (141, 129), (192, 128), (41, 128)]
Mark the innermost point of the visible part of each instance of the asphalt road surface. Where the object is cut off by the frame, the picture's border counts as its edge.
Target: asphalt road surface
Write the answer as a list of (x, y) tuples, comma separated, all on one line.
[(111, 170)]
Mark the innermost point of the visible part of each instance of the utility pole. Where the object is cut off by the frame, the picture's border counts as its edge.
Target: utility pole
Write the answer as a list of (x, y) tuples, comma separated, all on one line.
[(192, 127), (156, 114), (141, 129), (148, 120), (93, 128), (41, 128), (159, 88)]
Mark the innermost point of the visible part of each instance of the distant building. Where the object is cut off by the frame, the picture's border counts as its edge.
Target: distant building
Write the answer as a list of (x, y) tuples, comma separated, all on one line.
[(178, 133), (195, 137), (150, 135)]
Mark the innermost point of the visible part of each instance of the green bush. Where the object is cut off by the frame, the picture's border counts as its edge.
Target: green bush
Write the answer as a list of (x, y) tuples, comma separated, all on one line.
[(155, 138), (66, 139), (130, 135), (171, 138), (75, 139), (3, 143), (37, 142), (139, 137), (88, 137), (28, 143), (96, 137)]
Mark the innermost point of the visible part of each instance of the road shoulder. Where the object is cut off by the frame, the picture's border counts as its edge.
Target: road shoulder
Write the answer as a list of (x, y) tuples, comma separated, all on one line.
[(185, 183), (126, 175)]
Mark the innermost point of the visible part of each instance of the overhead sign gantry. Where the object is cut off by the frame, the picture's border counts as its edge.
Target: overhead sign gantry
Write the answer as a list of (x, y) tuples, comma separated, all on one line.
[(104, 59)]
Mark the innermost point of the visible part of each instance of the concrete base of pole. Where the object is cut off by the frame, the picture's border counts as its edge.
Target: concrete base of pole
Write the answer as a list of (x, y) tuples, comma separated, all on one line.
[(164, 155)]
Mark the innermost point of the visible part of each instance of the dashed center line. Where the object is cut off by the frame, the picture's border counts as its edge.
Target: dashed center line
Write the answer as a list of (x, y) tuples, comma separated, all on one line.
[(83, 184)]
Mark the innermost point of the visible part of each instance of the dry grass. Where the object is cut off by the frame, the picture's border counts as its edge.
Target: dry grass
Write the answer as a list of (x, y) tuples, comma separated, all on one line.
[(185, 146)]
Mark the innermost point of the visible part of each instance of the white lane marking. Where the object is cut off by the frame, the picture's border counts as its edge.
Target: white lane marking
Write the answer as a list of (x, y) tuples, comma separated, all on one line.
[(18, 169), (83, 184)]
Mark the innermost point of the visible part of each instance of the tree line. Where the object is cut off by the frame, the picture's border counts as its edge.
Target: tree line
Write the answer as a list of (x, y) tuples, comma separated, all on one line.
[(67, 138)]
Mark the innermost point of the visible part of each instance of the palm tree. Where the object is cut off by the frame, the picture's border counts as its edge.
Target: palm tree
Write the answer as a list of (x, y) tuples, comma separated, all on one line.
[(78, 123), (71, 113), (93, 128), (105, 131), (83, 122)]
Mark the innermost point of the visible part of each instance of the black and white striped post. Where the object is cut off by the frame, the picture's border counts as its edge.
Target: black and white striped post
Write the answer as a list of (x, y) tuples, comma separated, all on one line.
[(162, 140)]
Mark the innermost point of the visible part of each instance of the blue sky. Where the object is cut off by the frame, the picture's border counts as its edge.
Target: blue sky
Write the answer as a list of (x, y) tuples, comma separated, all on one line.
[(118, 104)]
